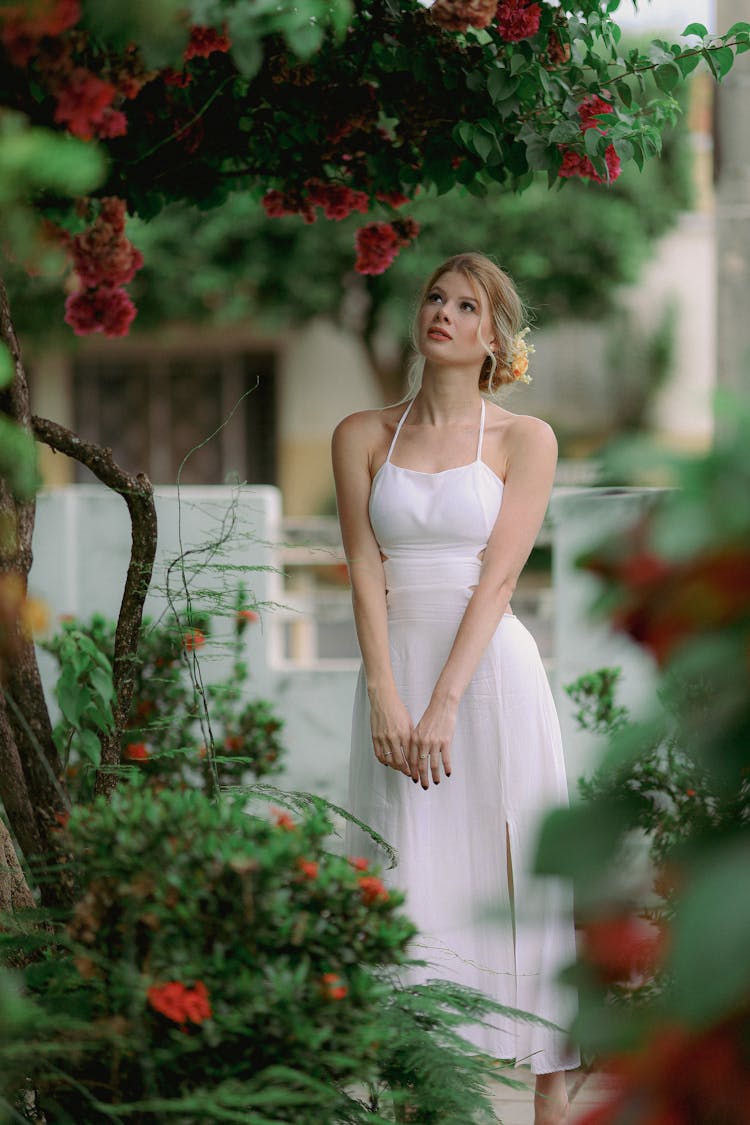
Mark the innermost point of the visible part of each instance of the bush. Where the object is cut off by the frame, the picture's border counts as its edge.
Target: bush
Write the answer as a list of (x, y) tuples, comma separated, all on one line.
[(220, 965), (168, 735)]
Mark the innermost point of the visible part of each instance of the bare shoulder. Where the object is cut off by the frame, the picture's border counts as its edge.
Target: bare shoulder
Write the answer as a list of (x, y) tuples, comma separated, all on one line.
[(526, 430), (364, 434)]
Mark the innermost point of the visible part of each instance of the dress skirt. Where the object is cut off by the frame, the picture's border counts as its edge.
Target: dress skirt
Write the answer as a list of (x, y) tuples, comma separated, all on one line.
[(466, 847)]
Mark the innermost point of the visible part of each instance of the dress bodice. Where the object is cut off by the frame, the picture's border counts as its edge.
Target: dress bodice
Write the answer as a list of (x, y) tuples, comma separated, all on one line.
[(431, 519)]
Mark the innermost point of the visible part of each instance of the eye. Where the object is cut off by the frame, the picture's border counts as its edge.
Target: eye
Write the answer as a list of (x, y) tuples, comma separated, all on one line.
[(432, 297), (468, 305)]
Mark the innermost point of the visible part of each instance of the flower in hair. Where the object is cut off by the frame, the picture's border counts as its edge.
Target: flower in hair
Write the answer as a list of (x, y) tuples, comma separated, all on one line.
[(519, 357)]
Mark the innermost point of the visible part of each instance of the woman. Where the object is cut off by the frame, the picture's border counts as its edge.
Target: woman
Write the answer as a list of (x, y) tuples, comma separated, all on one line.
[(456, 747)]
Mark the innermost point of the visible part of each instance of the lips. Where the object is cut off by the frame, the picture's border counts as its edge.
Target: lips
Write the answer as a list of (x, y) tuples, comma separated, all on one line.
[(438, 334)]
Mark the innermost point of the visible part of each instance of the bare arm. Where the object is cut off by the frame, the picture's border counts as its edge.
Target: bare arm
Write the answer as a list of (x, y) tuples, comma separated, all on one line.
[(532, 456), (390, 721)]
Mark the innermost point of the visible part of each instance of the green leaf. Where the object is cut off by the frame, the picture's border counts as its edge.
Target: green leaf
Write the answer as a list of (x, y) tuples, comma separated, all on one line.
[(625, 93), (101, 683), (724, 58), (623, 148), (667, 75), (592, 142), (565, 132), (740, 28), (18, 460), (246, 50), (71, 698), (580, 840), (712, 927), (89, 746), (696, 29), (6, 366), (688, 63), (500, 85)]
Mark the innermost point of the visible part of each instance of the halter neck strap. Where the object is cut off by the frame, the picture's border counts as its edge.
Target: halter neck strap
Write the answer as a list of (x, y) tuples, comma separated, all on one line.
[(481, 433), (401, 421)]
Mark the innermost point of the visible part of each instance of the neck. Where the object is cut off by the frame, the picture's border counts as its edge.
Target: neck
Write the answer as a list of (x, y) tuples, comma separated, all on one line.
[(447, 395)]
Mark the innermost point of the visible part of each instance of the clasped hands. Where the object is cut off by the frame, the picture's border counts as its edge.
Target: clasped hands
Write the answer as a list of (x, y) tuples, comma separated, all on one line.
[(414, 750)]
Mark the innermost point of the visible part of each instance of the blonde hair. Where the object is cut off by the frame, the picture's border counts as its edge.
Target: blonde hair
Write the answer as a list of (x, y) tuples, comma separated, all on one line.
[(506, 310)]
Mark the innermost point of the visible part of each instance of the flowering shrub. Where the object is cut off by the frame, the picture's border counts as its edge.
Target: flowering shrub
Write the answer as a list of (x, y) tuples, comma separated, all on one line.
[(333, 107), (164, 736), (221, 965)]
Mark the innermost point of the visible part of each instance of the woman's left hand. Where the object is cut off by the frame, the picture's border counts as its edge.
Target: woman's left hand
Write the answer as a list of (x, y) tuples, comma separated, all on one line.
[(431, 741)]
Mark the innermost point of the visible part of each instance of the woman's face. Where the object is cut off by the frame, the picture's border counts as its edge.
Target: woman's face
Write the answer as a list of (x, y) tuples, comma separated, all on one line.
[(453, 320)]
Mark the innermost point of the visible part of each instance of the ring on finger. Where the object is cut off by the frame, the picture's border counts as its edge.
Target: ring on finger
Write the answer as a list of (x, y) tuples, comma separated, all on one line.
[(423, 756)]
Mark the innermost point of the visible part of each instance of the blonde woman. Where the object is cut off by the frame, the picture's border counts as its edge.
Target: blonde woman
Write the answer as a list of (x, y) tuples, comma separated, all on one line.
[(456, 748)]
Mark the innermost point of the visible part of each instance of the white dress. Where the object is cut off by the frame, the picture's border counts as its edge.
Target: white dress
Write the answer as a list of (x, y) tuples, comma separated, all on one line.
[(466, 846)]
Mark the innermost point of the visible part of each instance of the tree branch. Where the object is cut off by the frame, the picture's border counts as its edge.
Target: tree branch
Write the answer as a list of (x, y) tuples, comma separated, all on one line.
[(138, 494)]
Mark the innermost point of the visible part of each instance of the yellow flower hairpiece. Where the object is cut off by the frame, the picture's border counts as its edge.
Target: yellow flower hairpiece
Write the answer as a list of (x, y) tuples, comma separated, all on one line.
[(519, 357)]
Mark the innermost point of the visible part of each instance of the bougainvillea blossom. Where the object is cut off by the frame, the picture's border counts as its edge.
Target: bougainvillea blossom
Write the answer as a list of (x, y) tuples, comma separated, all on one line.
[(106, 309), (460, 15), (204, 41), (23, 26), (517, 20), (332, 987), (103, 255), (377, 245), (373, 889), (82, 102), (576, 164)]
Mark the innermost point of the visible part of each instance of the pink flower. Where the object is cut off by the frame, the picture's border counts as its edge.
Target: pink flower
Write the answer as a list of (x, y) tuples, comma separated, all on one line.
[(204, 41), (82, 102), (377, 246), (517, 20), (113, 123)]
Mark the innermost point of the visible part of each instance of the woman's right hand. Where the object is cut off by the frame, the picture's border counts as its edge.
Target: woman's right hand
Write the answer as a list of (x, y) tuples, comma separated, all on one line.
[(391, 728)]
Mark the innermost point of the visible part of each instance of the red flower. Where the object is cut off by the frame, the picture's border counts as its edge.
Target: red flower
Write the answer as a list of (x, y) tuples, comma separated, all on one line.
[(377, 246), (204, 41), (517, 20), (179, 1003), (283, 820), (194, 639), (136, 752), (82, 102), (575, 164), (178, 78), (113, 123), (332, 987), (337, 200), (392, 198), (308, 868), (249, 616), (62, 818), (105, 309), (689, 792), (22, 26), (406, 230), (373, 890), (233, 742), (589, 109), (358, 863), (103, 255), (619, 947)]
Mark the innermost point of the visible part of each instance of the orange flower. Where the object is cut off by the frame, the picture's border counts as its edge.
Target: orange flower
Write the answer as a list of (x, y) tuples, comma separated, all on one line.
[(194, 639), (179, 1003), (332, 986), (283, 820), (137, 752), (308, 868), (373, 890), (248, 615), (358, 862)]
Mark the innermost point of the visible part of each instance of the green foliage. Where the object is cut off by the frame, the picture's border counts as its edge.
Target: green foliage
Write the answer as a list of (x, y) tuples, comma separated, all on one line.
[(289, 948), (678, 583), (167, 736), (18, 459)]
